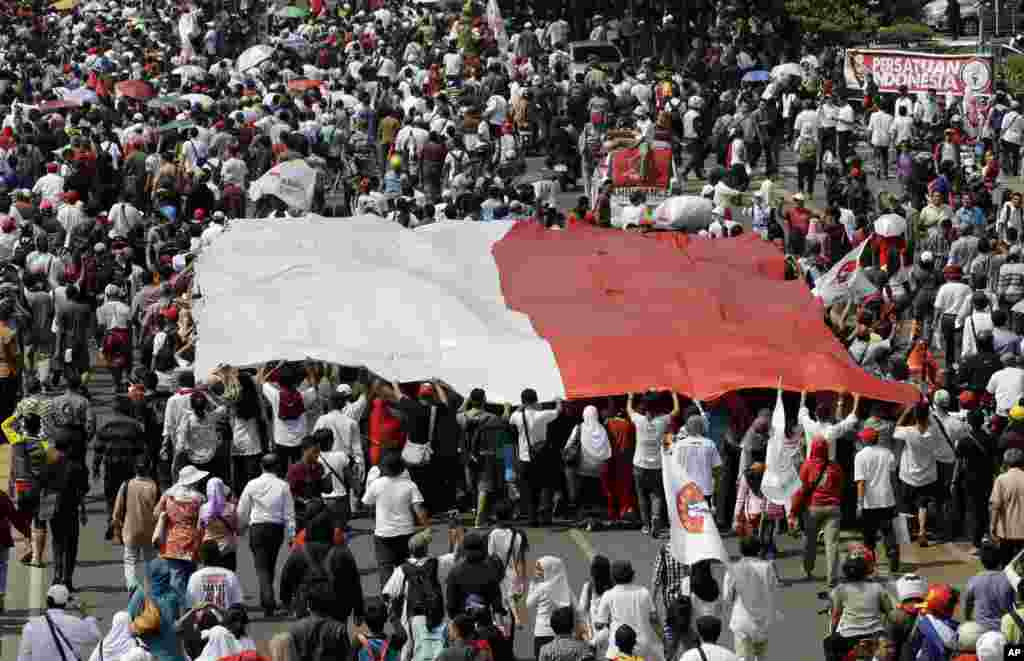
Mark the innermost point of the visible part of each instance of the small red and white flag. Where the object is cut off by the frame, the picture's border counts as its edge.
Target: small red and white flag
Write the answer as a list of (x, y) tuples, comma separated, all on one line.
[(846, 278)]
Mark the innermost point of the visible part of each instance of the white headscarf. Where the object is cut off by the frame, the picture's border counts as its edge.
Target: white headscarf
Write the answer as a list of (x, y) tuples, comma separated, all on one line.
[(219, 643), (137, 654), (555, 583), (593, 436), (119, 641)]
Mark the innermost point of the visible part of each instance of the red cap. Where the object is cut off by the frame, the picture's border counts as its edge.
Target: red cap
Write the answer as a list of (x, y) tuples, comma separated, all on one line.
[(8, 225), (52, 167), (170, 313), (968, 400), (426, 389), (71, 197), (199, 214), (868, 435)]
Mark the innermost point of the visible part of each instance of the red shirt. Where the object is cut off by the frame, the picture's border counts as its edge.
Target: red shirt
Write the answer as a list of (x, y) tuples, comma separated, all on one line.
[(385, 430), (304, 479), (799, 218)]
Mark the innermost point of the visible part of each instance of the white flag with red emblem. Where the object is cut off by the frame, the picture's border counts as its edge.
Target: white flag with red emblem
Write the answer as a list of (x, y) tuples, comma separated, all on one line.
[(845, 278), (694, 535)]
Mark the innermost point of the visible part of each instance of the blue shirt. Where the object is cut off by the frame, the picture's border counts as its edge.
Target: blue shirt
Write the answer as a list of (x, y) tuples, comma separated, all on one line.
[(993, 597)]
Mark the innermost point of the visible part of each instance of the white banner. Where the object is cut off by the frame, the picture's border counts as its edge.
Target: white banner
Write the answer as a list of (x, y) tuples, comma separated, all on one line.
[(694, 532), (781, 479), (844, 279), (292, 182)]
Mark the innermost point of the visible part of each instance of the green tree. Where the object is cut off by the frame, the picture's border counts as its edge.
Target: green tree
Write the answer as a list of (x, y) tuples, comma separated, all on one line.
[(832, 17)]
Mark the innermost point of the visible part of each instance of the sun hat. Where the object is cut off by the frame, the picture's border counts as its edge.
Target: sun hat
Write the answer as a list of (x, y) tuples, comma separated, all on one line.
[(191, 475)]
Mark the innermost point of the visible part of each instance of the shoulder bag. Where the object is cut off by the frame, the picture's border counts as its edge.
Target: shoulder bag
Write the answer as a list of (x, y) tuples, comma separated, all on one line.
[(571, 451), (802, 498), (58, 637), (420, 454)]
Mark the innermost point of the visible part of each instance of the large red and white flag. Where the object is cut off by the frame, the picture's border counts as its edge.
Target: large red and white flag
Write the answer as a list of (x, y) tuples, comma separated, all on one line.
[(583, 312)]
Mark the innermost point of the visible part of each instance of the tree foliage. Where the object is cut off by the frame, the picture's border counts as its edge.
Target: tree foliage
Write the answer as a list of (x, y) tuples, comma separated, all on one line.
[(832, 17)]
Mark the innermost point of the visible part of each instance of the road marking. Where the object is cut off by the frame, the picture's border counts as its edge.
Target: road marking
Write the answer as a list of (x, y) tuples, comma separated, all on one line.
[(579, 538)]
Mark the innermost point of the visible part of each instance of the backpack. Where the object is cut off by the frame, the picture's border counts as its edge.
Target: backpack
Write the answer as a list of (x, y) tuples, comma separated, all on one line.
[(995, 119), (807, 151), (291, 405), (421, 586), (429, 643), (163, 360), (318, 572)]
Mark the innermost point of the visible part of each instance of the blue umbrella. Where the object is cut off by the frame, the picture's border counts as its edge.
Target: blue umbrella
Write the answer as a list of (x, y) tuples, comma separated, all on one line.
[(756, 76)]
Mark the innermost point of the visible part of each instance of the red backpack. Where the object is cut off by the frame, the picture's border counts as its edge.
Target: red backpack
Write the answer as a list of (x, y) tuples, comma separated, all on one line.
[(291, 406)]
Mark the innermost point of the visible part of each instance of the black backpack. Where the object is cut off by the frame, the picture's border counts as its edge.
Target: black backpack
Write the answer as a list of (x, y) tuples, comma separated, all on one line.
[(422, 586), (318, 572), (163, 361)]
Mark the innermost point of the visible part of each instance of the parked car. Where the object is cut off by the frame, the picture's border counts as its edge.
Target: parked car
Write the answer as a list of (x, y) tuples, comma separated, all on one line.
[(608, 55), (1010, 18)]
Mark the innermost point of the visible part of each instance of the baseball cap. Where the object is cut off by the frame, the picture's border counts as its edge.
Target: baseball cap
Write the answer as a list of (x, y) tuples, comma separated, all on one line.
[(343, 389), (911, 586), (941, 398), (59, 594)]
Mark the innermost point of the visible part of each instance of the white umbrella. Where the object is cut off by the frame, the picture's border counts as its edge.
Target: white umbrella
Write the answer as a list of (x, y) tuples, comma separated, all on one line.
[(204, 101), (253, 57), (83, 95), (93, 6), (890, 225), (190, 71), (787, 69)]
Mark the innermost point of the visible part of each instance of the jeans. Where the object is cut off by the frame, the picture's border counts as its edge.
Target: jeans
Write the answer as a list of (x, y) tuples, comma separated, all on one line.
[(265, 540), (64, 530), (815, 519), (650, 495), (390, 552), (339, 510), (133, 556), (534, 489), (805, 177), (882, 161), (181, 571)]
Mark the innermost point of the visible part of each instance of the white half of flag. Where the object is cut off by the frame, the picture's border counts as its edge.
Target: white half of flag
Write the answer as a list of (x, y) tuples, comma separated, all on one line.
[(694, 534), (845, 278), (781, 479)]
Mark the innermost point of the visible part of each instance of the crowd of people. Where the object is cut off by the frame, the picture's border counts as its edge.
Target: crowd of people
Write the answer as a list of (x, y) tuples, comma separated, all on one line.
[(131, 135)]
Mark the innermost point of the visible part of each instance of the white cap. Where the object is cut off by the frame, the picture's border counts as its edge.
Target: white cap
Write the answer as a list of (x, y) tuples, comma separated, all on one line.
[(911, 586), (343, 389), (707, 190), (59, 594), (927, 256)]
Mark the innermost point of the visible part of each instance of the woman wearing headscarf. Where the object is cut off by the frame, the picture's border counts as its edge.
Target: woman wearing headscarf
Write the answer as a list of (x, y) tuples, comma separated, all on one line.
[(822, 487), (218, 520), (549, 592), (594, 451), (161, 641), (118, 642), (219, 643), (628, 603), (590, 598)]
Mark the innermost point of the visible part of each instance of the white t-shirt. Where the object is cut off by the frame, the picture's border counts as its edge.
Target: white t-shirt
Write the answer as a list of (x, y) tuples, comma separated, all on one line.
[(699, 456), (917, 461), (874, 466), (393, 499), (649, 435), (880, 127), (539, 421), (711, 653), (288, 433), (903, 128), (1007, 386), (845, 119), (214, 585)]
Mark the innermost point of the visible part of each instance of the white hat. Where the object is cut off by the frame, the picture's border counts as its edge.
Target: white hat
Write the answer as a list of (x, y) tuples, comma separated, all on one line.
[(343, 389), (911, 586), (927, 256), (990, 646), (59, 594), (707, 190), (640, 111), (191, 475), (800, 197)]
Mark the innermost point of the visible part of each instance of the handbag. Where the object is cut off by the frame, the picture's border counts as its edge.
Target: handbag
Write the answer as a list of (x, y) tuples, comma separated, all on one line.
[(420, 454), (147, 622), (571, 451), (803, 496), (160, 531)]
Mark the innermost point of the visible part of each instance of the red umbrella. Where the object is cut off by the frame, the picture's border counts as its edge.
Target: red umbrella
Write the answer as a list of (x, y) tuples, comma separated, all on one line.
[(139, 90), (303, 85), (57, 105)]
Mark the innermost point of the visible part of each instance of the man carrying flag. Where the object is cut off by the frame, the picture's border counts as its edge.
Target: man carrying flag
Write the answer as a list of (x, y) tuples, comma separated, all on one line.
[(845, 278)]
